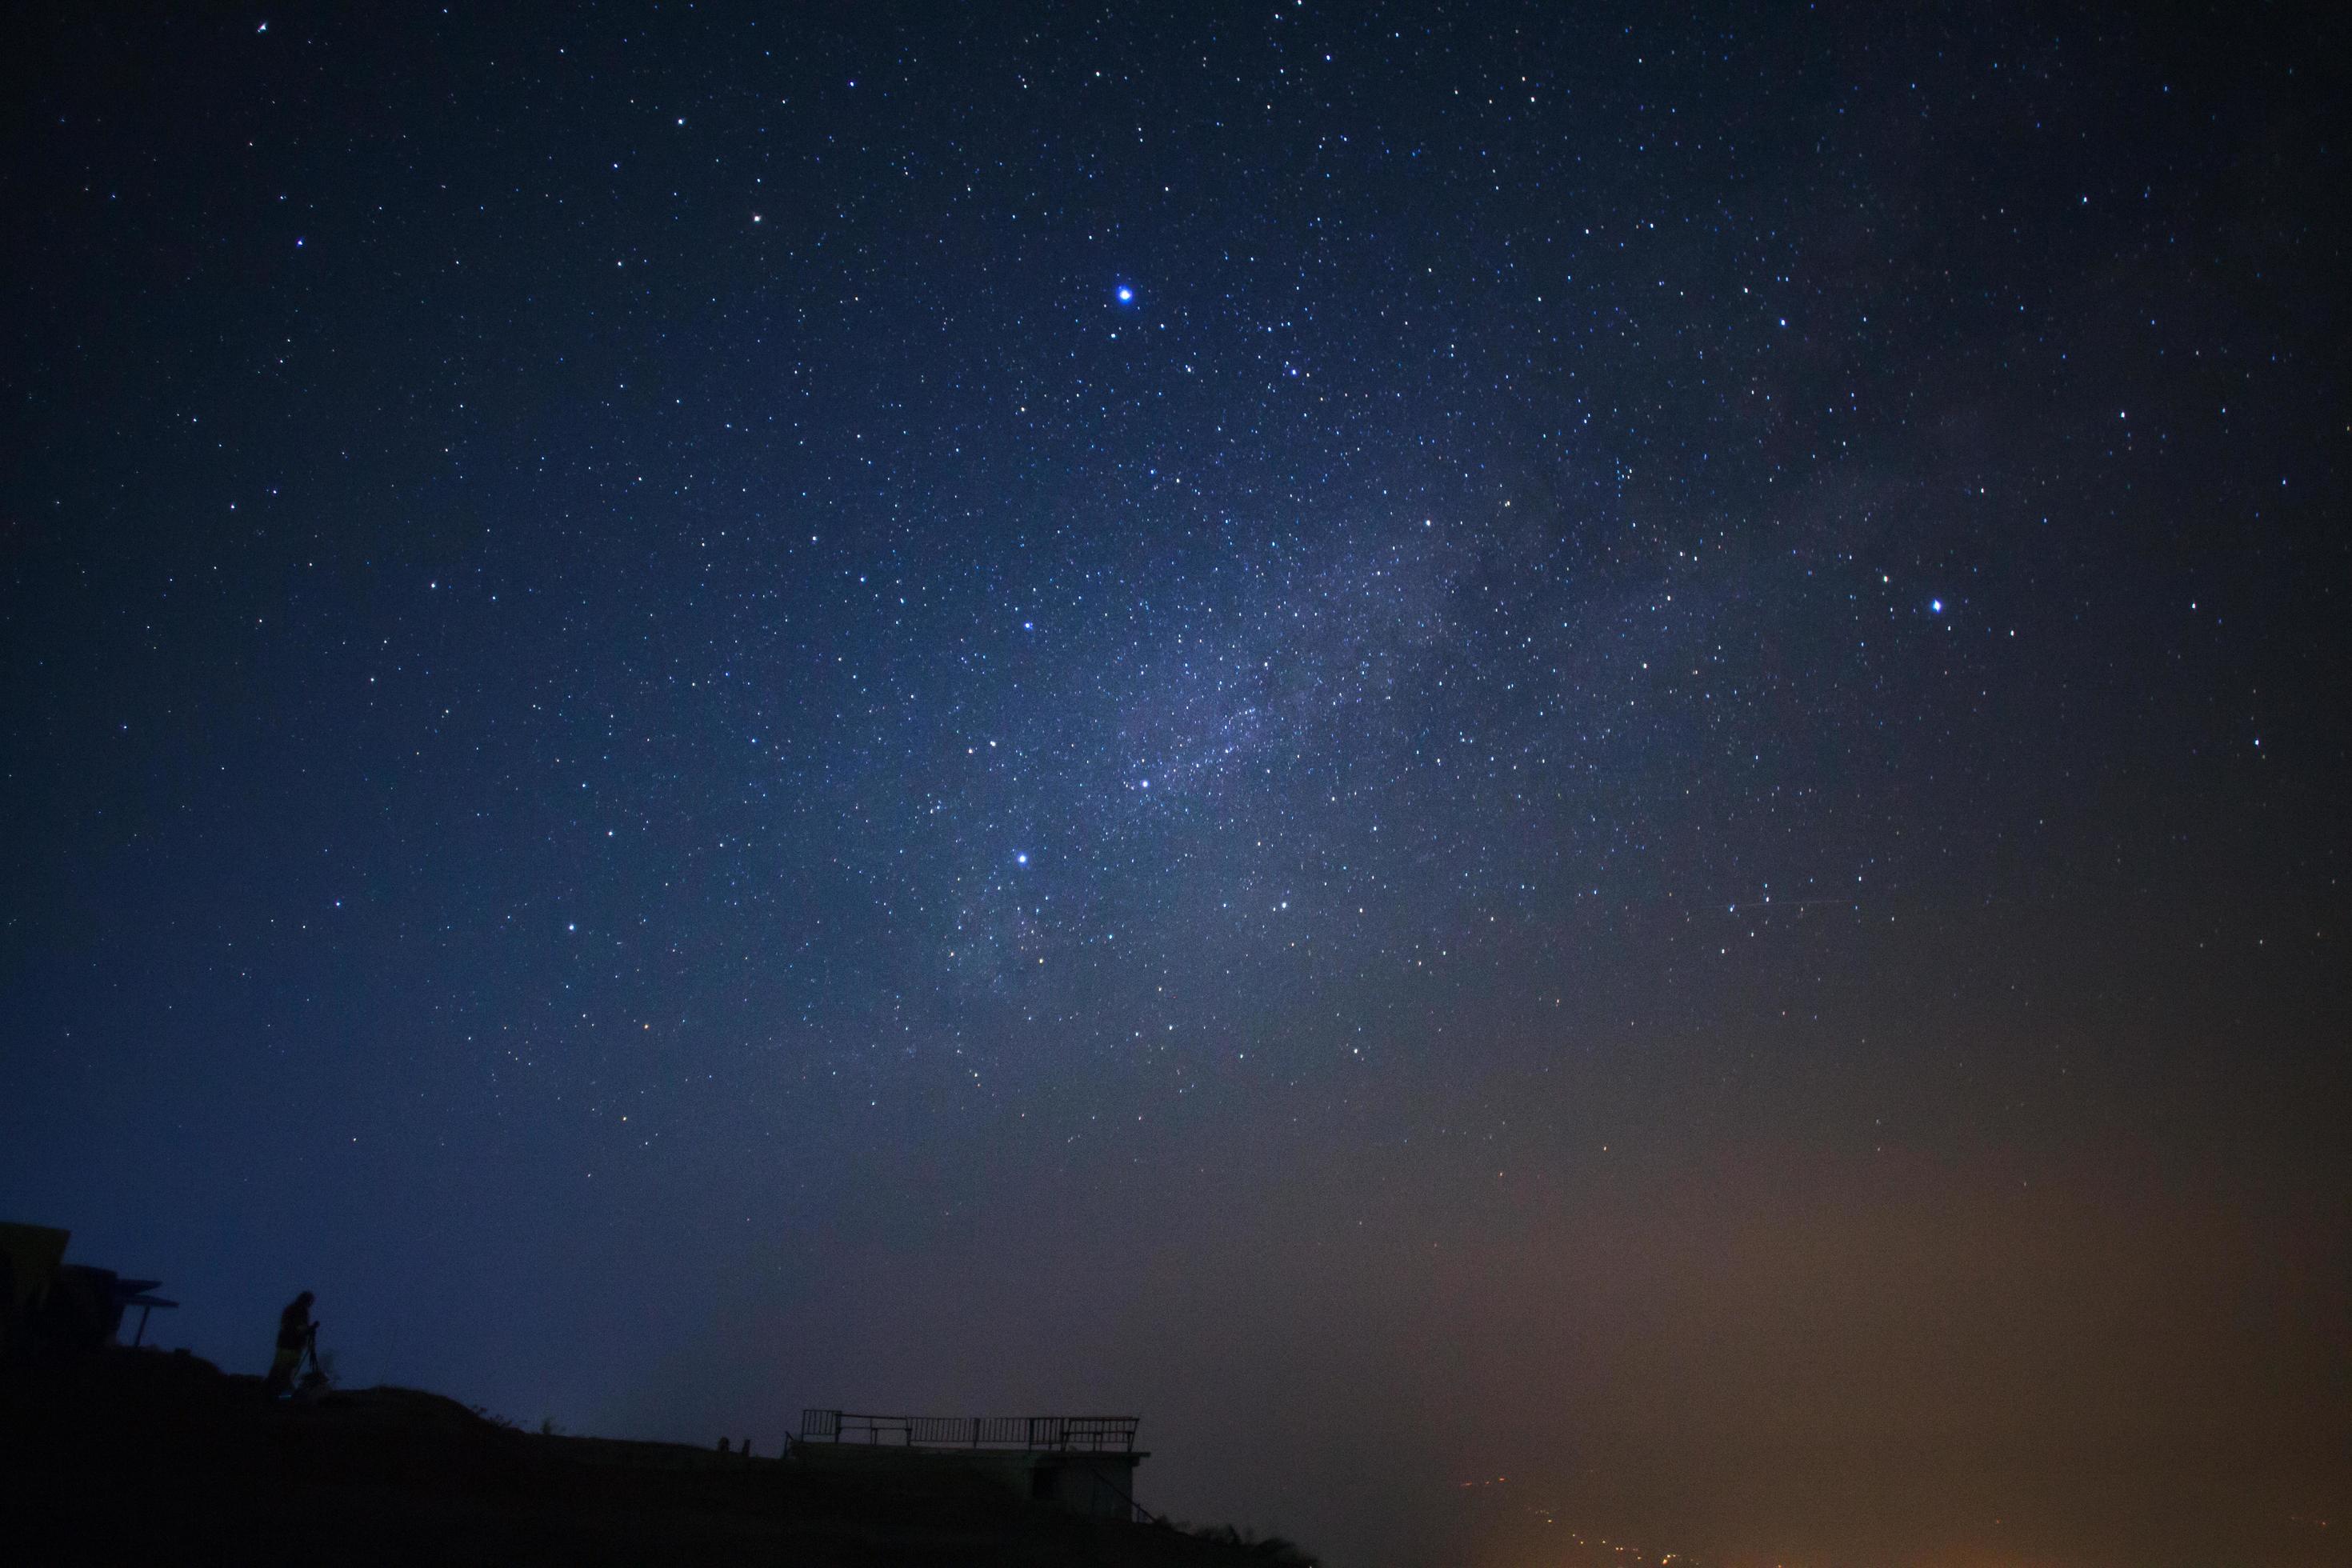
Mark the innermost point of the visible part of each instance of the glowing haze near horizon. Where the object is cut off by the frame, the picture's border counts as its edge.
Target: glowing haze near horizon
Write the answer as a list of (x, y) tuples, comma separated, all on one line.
[(1559, 776)]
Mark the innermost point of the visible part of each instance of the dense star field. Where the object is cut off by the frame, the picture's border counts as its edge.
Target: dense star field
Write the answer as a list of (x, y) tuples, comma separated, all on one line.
[(1557, 774)]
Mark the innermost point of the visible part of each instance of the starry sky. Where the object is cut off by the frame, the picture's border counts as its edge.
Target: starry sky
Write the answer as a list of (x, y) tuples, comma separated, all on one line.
[(1553, 769)]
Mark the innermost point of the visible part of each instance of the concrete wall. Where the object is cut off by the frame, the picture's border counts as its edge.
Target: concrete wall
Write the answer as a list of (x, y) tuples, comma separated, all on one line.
[(1096, 1485)]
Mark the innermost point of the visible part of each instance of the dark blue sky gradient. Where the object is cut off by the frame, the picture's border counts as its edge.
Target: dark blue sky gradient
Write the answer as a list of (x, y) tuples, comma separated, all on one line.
[(1444, 741)]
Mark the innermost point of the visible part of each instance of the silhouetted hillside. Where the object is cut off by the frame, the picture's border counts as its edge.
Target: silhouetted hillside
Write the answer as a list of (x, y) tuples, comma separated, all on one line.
[(129, 1455)]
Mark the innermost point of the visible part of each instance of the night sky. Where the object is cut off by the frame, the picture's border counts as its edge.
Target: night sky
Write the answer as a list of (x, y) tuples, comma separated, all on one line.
[(1553, 773)]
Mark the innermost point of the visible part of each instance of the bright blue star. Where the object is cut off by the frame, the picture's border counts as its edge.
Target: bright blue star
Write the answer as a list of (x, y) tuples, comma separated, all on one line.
[(1935, 606), (1021, 860), (1126, 295)]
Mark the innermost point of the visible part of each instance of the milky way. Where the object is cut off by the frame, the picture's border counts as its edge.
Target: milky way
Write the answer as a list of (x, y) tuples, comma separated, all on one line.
[(1120, 666)]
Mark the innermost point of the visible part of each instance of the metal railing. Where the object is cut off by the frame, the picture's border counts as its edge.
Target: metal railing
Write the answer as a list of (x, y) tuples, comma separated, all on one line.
[(1086, 1433)]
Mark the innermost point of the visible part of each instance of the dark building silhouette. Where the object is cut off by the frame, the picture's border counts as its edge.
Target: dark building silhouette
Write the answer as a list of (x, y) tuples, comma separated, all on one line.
[(49, 1305), (1083, 1464)]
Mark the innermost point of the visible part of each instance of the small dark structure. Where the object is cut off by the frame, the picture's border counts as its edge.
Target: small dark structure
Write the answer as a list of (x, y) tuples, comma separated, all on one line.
[(1082, 1464), (49, 1304)]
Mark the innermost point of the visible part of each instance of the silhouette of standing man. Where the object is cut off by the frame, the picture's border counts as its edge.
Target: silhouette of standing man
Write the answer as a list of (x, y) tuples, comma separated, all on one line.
[(296, 1334)]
